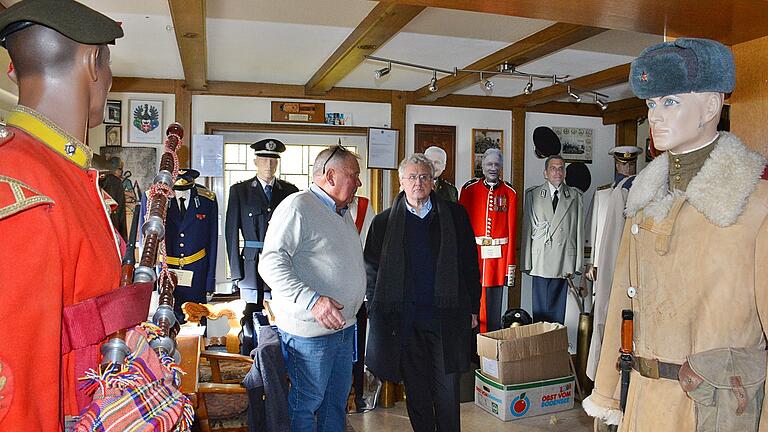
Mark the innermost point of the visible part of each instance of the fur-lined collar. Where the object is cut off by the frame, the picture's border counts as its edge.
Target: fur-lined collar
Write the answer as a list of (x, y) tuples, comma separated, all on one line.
[(719, 191)]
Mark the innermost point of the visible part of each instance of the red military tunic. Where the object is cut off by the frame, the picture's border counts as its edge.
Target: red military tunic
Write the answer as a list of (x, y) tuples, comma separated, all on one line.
[(492, 211), (58, 249)]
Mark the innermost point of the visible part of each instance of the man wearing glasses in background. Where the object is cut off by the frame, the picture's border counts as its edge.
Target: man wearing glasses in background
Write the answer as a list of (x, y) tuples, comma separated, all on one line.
[(423, 297), (313, 261)]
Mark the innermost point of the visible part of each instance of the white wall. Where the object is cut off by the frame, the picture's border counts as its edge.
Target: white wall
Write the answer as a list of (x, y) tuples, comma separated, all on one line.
[(465, 119), (601, 170)]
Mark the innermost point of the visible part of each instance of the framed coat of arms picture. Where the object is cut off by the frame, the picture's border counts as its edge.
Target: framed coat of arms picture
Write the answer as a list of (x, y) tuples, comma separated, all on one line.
[(146, 120)]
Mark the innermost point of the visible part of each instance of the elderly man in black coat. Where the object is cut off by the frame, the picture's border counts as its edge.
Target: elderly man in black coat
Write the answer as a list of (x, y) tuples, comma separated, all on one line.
[(423, 297)]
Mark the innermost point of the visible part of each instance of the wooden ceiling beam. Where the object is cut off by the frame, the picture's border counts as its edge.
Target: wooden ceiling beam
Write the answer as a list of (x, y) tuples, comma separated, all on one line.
[(728, 21), (567, 108), (624, 110), (596, 81), (233, 88), (535, 46), (189, 25), (143, 85), (383, 22)]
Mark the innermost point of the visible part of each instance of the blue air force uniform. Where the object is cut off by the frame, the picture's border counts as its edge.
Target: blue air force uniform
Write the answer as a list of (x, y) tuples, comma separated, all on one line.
[(191, 244)]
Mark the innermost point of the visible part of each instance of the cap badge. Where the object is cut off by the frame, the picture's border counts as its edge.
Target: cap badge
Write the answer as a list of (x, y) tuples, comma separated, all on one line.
[(644, 76), (69, 149), (271, 146)]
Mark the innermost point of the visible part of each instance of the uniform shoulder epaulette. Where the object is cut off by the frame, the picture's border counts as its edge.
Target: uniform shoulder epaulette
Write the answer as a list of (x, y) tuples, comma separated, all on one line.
[(205, 192), (5, 135), (605, 186), (15, 197), (471, 182), (509, 184)]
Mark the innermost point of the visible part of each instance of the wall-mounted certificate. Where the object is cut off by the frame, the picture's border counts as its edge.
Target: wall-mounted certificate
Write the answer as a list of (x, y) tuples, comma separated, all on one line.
[(382, 148)]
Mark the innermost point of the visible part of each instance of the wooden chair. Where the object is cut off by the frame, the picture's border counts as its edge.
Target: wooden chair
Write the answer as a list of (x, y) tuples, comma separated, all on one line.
[(203, 393), (233, 311)]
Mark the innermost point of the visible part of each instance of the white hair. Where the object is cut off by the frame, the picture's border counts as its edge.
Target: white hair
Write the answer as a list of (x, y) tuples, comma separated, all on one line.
[(416, 159)]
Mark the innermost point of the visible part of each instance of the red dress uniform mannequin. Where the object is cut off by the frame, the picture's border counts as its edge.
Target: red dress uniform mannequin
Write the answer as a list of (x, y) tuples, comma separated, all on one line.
[(59, 260), (492, 209)]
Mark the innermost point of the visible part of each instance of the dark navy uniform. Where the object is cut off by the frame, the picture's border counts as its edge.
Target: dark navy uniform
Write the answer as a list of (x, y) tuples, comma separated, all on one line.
[(191, 244), (249, 211)]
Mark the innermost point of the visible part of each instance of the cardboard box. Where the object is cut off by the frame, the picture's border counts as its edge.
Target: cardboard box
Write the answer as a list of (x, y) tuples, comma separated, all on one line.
[(524, 354), (513, 402)]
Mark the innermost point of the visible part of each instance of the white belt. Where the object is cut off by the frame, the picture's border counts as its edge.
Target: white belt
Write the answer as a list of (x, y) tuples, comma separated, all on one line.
[(490, 241)]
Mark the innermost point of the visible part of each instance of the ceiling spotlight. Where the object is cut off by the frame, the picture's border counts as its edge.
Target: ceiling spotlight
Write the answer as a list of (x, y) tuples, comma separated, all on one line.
[(529, 87), (575, 97), (433, 82), (603, 106), (487, 85), (382, 72)]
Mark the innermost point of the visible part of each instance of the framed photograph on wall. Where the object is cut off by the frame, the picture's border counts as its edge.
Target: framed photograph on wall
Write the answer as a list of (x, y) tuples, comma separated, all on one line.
[(146, 122), (576, 142), (113, 112), (113, 136), (426, 136), (482, 140)]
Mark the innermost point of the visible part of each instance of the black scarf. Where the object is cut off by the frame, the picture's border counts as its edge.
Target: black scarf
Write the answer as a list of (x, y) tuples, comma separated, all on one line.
[(390, 281)]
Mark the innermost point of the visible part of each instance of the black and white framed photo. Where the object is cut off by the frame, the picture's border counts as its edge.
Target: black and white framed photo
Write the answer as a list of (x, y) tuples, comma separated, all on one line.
[(145, 122), (576, 142), (113, 112), (114, 136)]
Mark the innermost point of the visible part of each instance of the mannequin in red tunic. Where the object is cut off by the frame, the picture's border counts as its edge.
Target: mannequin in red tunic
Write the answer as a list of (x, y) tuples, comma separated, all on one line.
[(492, 207), (59, 250)]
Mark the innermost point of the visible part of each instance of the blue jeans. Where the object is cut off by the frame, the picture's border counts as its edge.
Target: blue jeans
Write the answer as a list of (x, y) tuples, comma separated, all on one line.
[(320, 369)]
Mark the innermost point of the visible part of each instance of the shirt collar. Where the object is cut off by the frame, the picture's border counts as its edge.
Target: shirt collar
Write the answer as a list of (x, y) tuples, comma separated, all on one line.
[(264, 184), (47, 132), (552, 188), (425, 209), (326, 199)]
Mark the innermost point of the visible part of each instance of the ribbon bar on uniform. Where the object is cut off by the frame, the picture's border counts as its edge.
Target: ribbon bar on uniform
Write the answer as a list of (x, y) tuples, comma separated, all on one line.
[(254, 244), (490, 241)]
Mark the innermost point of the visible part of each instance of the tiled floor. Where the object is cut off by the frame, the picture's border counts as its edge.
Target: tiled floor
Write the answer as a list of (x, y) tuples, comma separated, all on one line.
[(473, 418)]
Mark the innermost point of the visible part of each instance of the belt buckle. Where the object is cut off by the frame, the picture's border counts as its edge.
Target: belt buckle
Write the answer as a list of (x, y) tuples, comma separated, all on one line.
[(487, 241), (648, 368)]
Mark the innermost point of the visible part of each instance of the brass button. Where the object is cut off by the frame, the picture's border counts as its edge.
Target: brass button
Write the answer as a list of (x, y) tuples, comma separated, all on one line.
[(677, 160), (677, 165), (677, 178)]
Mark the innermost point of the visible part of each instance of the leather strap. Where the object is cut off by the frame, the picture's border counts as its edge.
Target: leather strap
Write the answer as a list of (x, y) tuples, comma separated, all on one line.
[(740, 393), (655, 369)]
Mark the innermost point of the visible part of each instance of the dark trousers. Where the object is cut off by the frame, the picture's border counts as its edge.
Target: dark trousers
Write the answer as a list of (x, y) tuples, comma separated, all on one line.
[(493, 298), (433, 395), (549, 296), (358, 368)]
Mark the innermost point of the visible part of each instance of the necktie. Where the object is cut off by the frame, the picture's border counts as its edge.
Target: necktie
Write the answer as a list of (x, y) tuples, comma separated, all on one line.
[(182, 207), (268, 192), (554, 202)]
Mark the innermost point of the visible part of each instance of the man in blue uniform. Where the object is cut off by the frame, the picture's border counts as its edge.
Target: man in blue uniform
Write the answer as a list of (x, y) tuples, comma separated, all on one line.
[(249, 211), (191, 240)]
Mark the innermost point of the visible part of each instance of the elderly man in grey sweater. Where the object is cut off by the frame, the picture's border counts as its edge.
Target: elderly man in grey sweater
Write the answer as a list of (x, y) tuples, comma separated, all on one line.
[(313, 261)]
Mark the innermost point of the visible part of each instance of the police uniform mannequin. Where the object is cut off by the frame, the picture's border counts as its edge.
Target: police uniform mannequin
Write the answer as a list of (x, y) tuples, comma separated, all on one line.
[(491, 204), (605, 224), (691, 264), (58, 243), (552, 243), (249, 211), (191, 239), (443, 188)]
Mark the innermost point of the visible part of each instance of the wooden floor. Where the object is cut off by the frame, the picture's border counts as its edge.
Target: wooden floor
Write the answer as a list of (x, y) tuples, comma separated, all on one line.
[(473, 418)]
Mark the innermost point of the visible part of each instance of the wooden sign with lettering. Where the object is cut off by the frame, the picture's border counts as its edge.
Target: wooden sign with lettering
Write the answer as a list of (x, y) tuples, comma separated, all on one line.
[(298, 112)]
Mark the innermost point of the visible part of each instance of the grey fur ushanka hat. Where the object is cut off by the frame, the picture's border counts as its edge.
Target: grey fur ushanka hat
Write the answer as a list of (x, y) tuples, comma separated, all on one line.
[(684, 65)]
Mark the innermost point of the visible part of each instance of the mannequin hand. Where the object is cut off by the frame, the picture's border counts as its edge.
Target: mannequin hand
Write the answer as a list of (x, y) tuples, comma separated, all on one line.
[(208, 297), (591, 273), (327, 312), (475, 321)]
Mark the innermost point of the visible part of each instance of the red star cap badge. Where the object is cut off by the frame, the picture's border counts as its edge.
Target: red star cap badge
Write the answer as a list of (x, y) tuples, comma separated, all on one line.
[(644, 76)]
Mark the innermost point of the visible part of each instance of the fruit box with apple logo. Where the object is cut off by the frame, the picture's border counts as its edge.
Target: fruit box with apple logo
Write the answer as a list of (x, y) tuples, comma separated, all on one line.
[(516, 401)]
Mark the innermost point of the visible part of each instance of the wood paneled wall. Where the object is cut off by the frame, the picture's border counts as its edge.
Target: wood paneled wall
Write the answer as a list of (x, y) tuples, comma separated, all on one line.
[(749, 102)]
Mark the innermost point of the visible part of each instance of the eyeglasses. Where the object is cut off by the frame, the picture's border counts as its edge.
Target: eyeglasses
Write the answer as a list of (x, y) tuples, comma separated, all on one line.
[(333, 153), (422, 178)]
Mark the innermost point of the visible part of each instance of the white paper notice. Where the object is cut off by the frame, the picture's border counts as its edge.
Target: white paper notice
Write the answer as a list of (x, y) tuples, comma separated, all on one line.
[(490, 367), (382, 148), (208, 155), (184, 277)]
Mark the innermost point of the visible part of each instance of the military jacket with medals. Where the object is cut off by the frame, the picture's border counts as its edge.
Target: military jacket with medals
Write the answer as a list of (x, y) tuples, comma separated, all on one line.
[(249, 212), (492, 211)]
